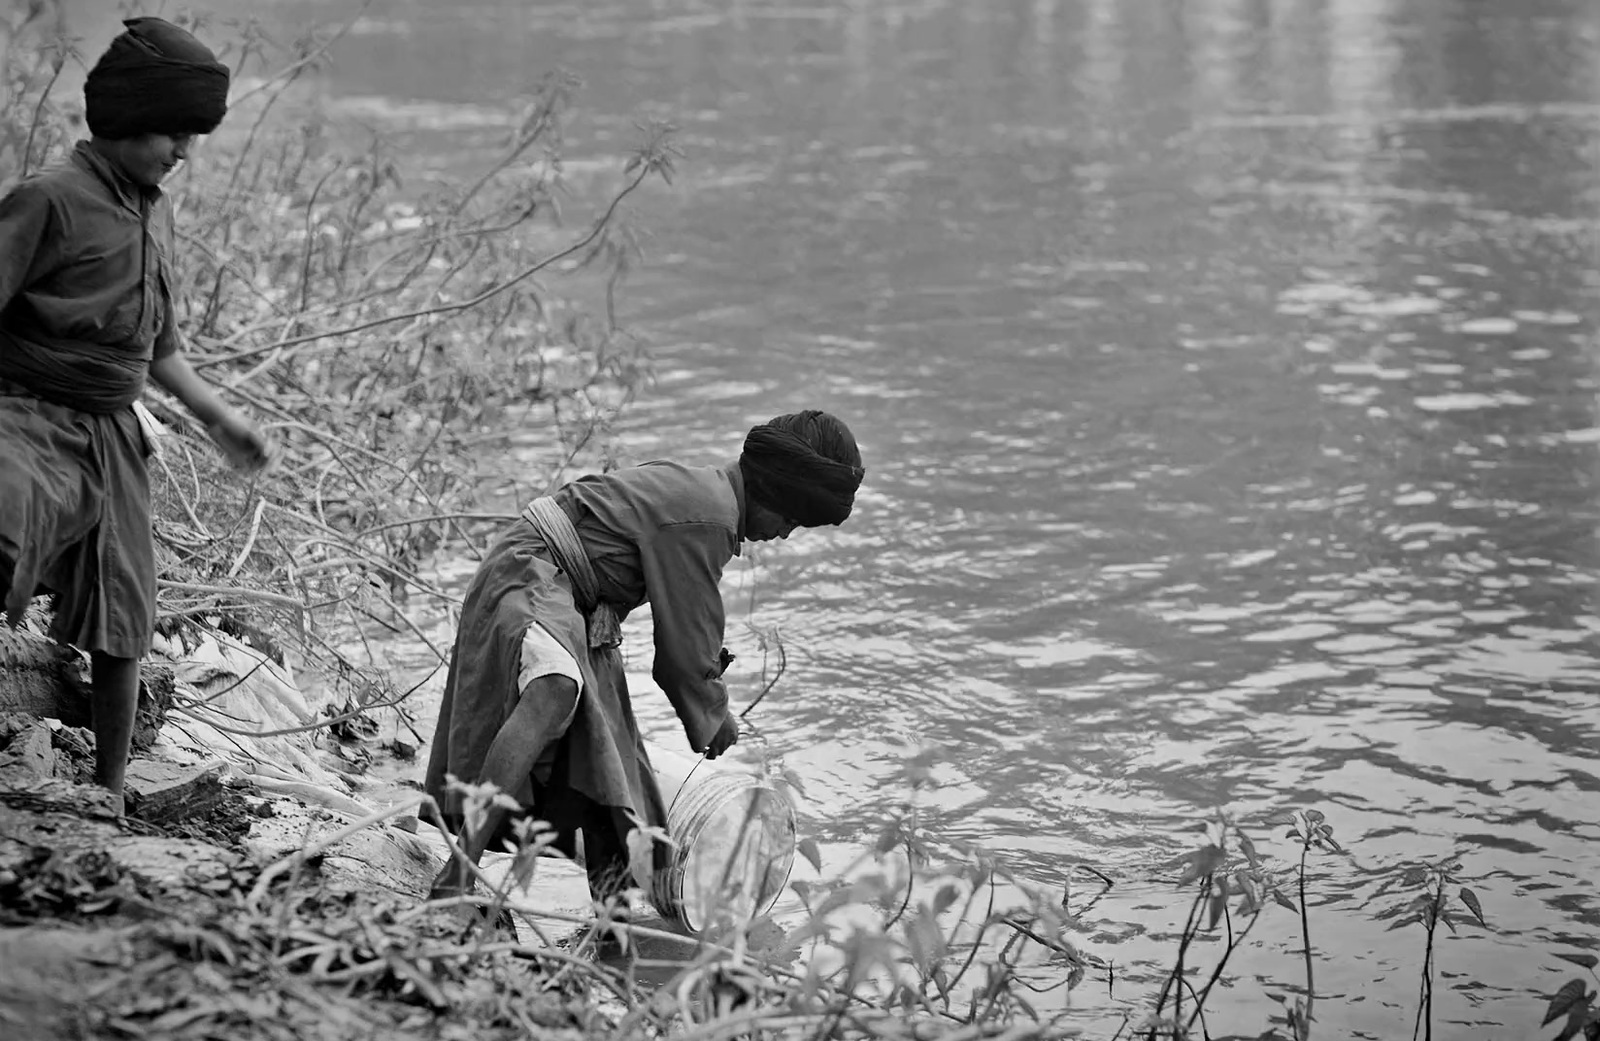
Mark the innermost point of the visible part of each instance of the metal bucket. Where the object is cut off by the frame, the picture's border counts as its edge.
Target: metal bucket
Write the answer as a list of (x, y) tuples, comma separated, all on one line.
[(733, 839)]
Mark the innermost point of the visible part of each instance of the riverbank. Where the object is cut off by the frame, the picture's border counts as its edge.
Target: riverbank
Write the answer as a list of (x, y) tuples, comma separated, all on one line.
[(153, 925), (255, 891), (252, 893), (124, 929)]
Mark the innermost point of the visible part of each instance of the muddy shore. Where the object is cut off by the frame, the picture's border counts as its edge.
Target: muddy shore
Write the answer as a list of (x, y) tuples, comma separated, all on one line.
[(243, 896)]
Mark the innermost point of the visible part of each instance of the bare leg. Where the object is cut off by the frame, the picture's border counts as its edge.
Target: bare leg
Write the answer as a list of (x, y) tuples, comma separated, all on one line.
[(542, 715), (113, 702)]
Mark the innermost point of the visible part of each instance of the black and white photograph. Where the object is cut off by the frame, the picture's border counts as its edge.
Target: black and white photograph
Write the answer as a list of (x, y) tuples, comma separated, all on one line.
[(800, 520)]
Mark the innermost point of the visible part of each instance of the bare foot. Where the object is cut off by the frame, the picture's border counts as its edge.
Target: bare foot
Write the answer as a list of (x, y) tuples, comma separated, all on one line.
[(107, 803)]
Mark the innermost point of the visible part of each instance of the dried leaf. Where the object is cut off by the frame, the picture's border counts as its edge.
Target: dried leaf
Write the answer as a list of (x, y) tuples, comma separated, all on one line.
[(1470, 898), (425, 986), (792, 779), (808, 849), (925, 941), (1203, 861), (1248, 848), (945, 898), (1565, 1000), (641, 858), (1588, 961), (835, 899), (169, 1023), (1219, 904), (1574, 1024), (1283, 900)]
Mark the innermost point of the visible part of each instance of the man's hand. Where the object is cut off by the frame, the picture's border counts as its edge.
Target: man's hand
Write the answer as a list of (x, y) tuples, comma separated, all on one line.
[(246, 447), (726, 736)]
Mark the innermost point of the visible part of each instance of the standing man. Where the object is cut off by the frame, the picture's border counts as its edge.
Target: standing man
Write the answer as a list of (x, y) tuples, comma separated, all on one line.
[(86, 315)]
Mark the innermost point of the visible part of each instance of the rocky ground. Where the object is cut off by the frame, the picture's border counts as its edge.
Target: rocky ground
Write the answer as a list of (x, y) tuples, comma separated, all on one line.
[(125, 928), (240, 899)]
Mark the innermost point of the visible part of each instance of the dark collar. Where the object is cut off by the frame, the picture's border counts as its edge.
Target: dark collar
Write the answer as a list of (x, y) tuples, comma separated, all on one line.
[(135, 197)]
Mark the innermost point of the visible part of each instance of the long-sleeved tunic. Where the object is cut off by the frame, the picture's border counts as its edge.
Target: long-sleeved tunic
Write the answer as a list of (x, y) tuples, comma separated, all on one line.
[(85, 306), (661, 532)]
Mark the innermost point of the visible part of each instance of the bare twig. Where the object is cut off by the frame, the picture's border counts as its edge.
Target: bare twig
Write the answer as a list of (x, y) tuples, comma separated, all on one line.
[(783, 663), (443, 309), (232, 591)]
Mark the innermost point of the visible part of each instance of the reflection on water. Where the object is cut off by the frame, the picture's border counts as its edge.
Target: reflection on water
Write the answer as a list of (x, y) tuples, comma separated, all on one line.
[(1226, 377)]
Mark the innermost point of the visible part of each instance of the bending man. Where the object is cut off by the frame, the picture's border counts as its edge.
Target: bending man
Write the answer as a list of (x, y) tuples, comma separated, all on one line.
[(536, 700)]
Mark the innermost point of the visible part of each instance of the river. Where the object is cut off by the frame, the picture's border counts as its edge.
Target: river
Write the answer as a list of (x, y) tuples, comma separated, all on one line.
[(1226, 376)]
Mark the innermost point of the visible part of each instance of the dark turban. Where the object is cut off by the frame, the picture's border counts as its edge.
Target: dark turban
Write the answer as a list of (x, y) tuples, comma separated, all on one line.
[(155, 78), (804, 466)]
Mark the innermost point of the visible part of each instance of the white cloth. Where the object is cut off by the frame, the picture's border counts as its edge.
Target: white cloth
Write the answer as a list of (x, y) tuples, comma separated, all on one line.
[(543, 655), (153, 429)]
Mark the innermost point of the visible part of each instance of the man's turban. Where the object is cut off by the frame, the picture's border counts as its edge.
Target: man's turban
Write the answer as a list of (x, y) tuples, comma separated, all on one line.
[(804, 466), (155, 78)]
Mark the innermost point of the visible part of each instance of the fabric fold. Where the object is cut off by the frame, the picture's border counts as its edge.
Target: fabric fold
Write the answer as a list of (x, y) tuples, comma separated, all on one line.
[(566, 550)]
